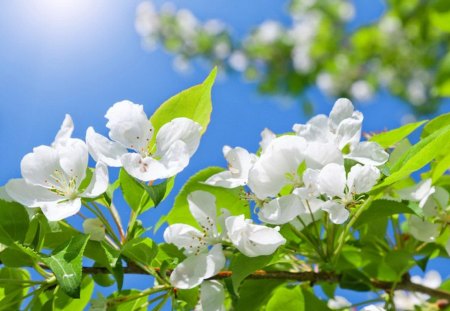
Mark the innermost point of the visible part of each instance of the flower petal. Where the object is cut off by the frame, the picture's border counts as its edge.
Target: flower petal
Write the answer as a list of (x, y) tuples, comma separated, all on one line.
[(321, 154), (420, 192), (55, 211), (202, 205), (65, 132), (104, 150), (338, 214), (349, 131), (342, 109), (184, 129), (282, 157), (184, 237), (30, 195), (267, 136), (175, 159), (361, 179), (252, 240), (315, 130), (73, 158), (281, 210), (99, 182), (145, 169), (212, 296), (129, 125), (38, 166), (225, 179), (368, 153), (332, 180), (194, 269)]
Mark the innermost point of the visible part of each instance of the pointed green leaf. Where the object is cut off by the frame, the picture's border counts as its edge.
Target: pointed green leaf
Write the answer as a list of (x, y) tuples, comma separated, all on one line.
[(140, 196), (388, 139), (142, 250), (66, 264), (64, 302), (193, 103)]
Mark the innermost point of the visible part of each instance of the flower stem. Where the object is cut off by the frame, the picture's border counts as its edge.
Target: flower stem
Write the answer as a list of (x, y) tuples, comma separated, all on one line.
[(352, 221)]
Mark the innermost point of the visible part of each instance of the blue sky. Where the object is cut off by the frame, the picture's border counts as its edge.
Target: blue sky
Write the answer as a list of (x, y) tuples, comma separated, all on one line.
[(82, 56)]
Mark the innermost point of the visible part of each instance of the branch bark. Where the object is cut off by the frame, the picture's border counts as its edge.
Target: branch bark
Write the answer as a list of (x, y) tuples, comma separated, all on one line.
[(307, 276)]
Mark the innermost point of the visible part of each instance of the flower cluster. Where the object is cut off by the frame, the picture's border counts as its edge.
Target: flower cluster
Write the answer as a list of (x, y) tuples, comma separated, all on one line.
[(204, 248), (323, 167), (56, 178)]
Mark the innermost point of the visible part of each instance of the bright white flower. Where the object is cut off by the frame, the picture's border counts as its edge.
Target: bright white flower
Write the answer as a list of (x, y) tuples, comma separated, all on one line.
[(202, 248), (343, 128), (212, 297), (65, 131), (52, 177), (253, 240), (407, 301), (332, 181), (130, 128), (338, 302), (240, 162)]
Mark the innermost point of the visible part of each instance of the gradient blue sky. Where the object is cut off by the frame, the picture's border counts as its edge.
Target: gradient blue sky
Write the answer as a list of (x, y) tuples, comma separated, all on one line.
[(81, 56)]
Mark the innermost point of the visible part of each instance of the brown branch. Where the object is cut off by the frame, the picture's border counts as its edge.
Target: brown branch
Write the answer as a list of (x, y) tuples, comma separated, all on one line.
[(307, 276)]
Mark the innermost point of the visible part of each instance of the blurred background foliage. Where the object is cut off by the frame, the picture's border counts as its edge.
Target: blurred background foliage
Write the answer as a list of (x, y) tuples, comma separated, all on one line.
[(405, 51)]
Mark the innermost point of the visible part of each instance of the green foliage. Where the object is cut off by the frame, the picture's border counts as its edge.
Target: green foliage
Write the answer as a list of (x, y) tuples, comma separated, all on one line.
[(140, 196), (388, 139), (141, 250), (286, 298), (14, 222), (229, 199), (193, 103), (11, 290), (242, 266), (66, 264), (62, 301)]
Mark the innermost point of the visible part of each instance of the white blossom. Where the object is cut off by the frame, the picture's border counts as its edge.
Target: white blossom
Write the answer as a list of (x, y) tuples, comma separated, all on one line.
[(130, 128), (253, 240), (341, 189), (52, 176)]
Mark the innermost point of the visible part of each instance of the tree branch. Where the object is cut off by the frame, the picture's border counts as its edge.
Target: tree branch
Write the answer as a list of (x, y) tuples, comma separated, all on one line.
[(307, 276)]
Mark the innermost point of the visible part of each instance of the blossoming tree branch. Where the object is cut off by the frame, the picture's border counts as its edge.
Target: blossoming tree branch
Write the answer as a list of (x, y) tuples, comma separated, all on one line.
[(317, 207)]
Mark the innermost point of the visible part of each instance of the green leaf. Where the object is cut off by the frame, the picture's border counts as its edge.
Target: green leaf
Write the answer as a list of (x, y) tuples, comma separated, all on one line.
[(14, 222), (134, 304), (382, 209), (142, 250), (64, 302), (312, 302), (442, 165), (225, 198), (388, 139), (66, 264), (12, 293), (262, 289), (436, 124), (140, 196), (286, 298), (242, 266), (418, 156), (193, 103)]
